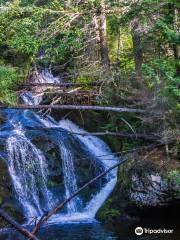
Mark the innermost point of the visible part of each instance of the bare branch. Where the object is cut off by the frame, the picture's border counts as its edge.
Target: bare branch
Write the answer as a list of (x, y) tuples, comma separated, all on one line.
[(16, 225)]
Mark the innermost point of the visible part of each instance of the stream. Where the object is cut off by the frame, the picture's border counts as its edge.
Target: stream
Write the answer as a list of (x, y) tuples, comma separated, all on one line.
[(47, 164)]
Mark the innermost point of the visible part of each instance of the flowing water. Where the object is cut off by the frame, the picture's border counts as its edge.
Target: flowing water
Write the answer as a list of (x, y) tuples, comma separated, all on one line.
[(30, 171), (47, 164)]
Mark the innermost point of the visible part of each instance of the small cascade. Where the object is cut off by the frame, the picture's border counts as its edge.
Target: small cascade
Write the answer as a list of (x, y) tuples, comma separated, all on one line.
[(69, 179), (102, 153), (31, 99), (46, 77), (29, 172), (43, 77), (69, 175)]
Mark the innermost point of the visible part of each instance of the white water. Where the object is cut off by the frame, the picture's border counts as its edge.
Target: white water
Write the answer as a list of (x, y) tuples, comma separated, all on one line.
[(44, 77), (102, 152), (69, 178), (28, 167)]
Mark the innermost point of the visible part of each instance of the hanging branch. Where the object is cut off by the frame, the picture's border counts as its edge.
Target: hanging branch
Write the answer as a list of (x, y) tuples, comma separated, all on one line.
[(16, 225), (62, 204)]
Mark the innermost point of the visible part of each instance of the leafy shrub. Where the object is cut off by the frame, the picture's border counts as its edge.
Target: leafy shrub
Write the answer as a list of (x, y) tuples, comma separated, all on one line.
[(9, 78)]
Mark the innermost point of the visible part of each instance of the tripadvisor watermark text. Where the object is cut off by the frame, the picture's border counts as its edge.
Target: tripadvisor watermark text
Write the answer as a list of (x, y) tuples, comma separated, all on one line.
[(139, 231)]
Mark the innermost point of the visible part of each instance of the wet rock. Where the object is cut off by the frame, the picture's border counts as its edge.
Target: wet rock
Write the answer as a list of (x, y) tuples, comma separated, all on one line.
[(143, 188), (150, 190)]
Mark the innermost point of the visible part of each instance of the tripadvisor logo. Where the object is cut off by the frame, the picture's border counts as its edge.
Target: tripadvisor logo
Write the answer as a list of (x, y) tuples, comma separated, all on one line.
[(139, 231)]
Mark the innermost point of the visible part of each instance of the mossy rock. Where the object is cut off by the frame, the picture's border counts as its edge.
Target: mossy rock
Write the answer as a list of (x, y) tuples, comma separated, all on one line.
[(108, 213)]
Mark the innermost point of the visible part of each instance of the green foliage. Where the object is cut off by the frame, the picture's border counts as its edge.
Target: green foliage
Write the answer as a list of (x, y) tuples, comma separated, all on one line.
[(9, 79), (173, 179), (160, 76), (174, 175), (107, 212), (22, 37), (24, 32)]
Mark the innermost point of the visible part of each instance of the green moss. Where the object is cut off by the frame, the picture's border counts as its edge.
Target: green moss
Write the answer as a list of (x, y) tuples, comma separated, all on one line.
[(107, 212), (173, 178)]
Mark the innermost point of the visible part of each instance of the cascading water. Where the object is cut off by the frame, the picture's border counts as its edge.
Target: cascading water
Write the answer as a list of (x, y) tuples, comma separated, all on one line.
[(69, 178), (102, 153), (44, 77), (28, 169), (33, 171)]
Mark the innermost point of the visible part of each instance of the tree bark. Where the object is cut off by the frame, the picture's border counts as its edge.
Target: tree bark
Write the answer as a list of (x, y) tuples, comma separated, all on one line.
[(103, 38), (176, 58), (174, 15), (75, 107), (138, 53), (62, 84), (16, 225)]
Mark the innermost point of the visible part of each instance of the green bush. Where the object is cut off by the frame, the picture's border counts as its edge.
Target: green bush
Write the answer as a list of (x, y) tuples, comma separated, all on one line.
[(9, 78)]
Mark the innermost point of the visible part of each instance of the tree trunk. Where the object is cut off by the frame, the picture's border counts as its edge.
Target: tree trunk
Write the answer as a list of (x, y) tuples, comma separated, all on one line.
[(138, 53), (174, 14), (176, 58), (103, 38)]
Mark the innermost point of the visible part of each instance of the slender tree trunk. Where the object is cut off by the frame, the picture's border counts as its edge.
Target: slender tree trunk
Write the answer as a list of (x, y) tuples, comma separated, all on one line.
[(176, 58), (103, 38), (138, 53), (118, 58), (119, 48), (175, 20)]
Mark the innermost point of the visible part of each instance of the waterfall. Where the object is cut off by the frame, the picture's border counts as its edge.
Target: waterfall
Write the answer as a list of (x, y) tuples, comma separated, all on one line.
[(44, 77), (69, 179), (31, 99), (30, 170), (102, 152)]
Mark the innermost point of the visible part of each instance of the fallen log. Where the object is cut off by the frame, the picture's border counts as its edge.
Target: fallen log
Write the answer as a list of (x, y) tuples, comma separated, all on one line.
[(62, 204), (74, 107), (107, 133), (92, 84), (16, 225), (119, 134)]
